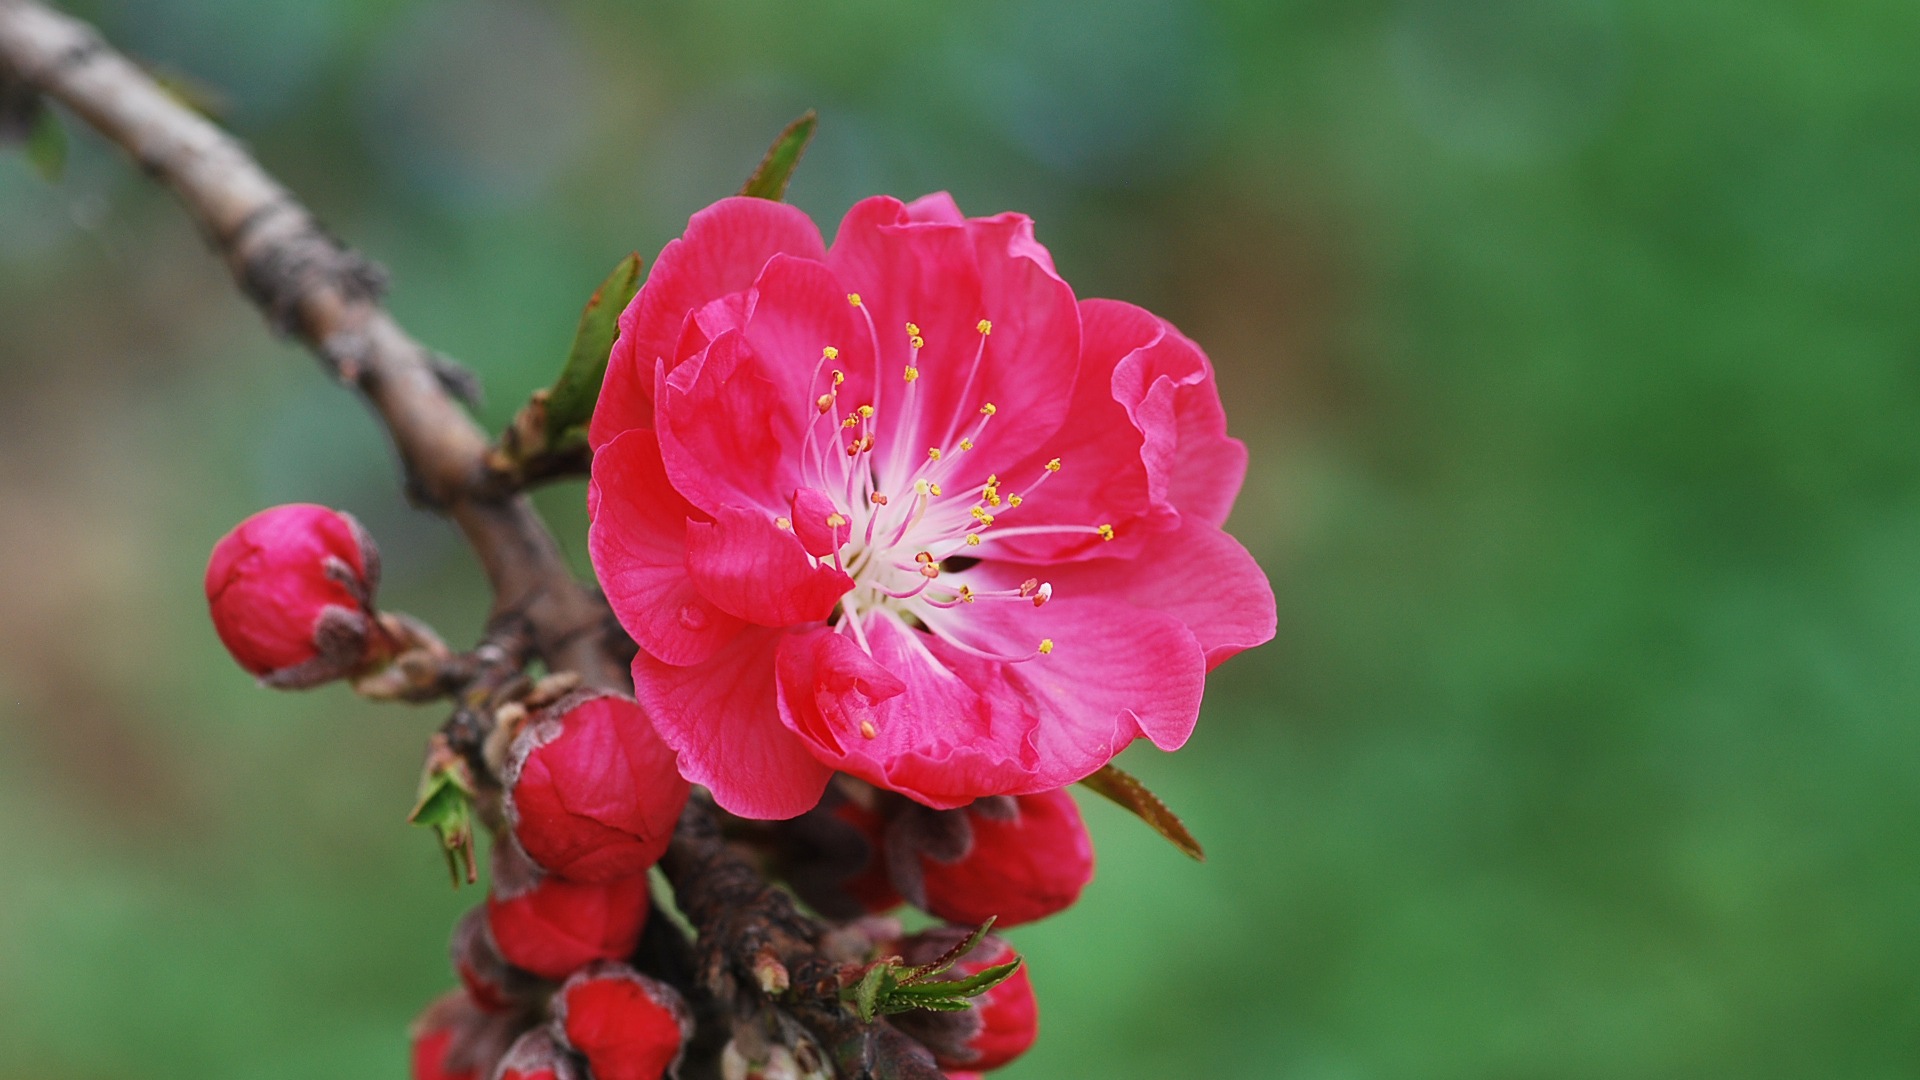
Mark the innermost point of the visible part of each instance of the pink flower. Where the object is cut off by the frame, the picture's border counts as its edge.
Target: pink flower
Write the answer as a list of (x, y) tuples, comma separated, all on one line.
[(907, 509), (290, 590)]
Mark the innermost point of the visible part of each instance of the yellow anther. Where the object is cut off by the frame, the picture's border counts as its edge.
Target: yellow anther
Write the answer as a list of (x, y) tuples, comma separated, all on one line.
[(912, 373), (782, 523), (923, 557), (917, 341), (867, 729), (913, 329), (933, 453), (836, 519), (982, 516), (1054, 465), (825, 401), (831, 353), (993, 499), (866, 412), (853, 298), (851, 421), (934, 490), (983, 326), (966, 593), (839, 377), (966, 444), (973, 540), (1046, 645), (877, 499), (1105, 531), (1013, 500), (989, 409)]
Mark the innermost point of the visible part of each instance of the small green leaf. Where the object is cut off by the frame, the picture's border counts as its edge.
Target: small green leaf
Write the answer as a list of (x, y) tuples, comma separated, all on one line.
[(46, 145), (1123, 788), (951, 956), (446, 807), (570, 403), (872, 987), (769, 181)]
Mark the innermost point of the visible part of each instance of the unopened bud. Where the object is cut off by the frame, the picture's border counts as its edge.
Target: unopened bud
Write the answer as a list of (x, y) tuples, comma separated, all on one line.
[(592, 792), (491, 983), (999, 1027), (291, 593), (1021, 859), (551, 926), (456, 1040), (627, 1026)]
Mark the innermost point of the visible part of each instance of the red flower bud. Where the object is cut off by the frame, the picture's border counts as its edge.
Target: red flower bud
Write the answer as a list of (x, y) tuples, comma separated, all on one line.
[(1017, 860), (537, 1057), (1003, 1021), (291, 590), (627, 1026), (491, 983), (454, 1040), (592, 792), (551, 926)]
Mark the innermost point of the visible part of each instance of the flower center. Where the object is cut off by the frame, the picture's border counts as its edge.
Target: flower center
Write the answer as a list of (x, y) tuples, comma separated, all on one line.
[(894, 518)]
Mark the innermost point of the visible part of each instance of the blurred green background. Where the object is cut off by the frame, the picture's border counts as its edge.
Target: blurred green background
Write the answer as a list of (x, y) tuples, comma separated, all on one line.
[(1575, 341)]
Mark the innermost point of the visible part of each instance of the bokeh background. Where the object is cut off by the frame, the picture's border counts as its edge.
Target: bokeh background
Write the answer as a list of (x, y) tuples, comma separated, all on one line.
[(1575, 341)]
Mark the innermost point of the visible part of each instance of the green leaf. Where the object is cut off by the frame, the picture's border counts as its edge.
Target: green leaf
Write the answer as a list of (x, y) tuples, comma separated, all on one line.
[(769, 181), (1123, 788), (46, 145), (570, 403), (951, 956), (446, 807)]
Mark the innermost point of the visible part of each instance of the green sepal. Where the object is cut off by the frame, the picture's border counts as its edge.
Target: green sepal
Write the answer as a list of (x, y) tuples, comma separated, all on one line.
[(569, 404), (446, 806), (888, 988), (770, 180), (1123, 788)]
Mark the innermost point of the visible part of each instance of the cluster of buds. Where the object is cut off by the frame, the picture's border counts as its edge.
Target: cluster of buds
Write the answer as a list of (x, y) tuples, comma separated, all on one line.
[(590, 798)]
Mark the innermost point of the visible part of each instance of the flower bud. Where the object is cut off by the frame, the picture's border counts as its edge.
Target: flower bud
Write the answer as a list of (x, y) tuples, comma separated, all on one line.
[(627, 1026), (551, 926), (455, 1040), (535, 1056), (1013, 859), (592, 793), (291, 591), (1003, 1021)]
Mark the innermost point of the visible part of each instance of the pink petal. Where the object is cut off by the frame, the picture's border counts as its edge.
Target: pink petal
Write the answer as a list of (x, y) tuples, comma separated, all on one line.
[(722, 251), (945, 277), (721, 718), (814, 522), (1198, 574), (747, 565), (727, 433), (951, 733), (1169, 391), (1116, 672), (636, 537)]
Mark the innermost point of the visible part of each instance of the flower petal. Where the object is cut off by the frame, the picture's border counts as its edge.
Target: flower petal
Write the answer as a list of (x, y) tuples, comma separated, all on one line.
[(636, 537), (721, 718), (749, 566), (722, 251), (1198, 574), (728, 435), (952, 732)]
